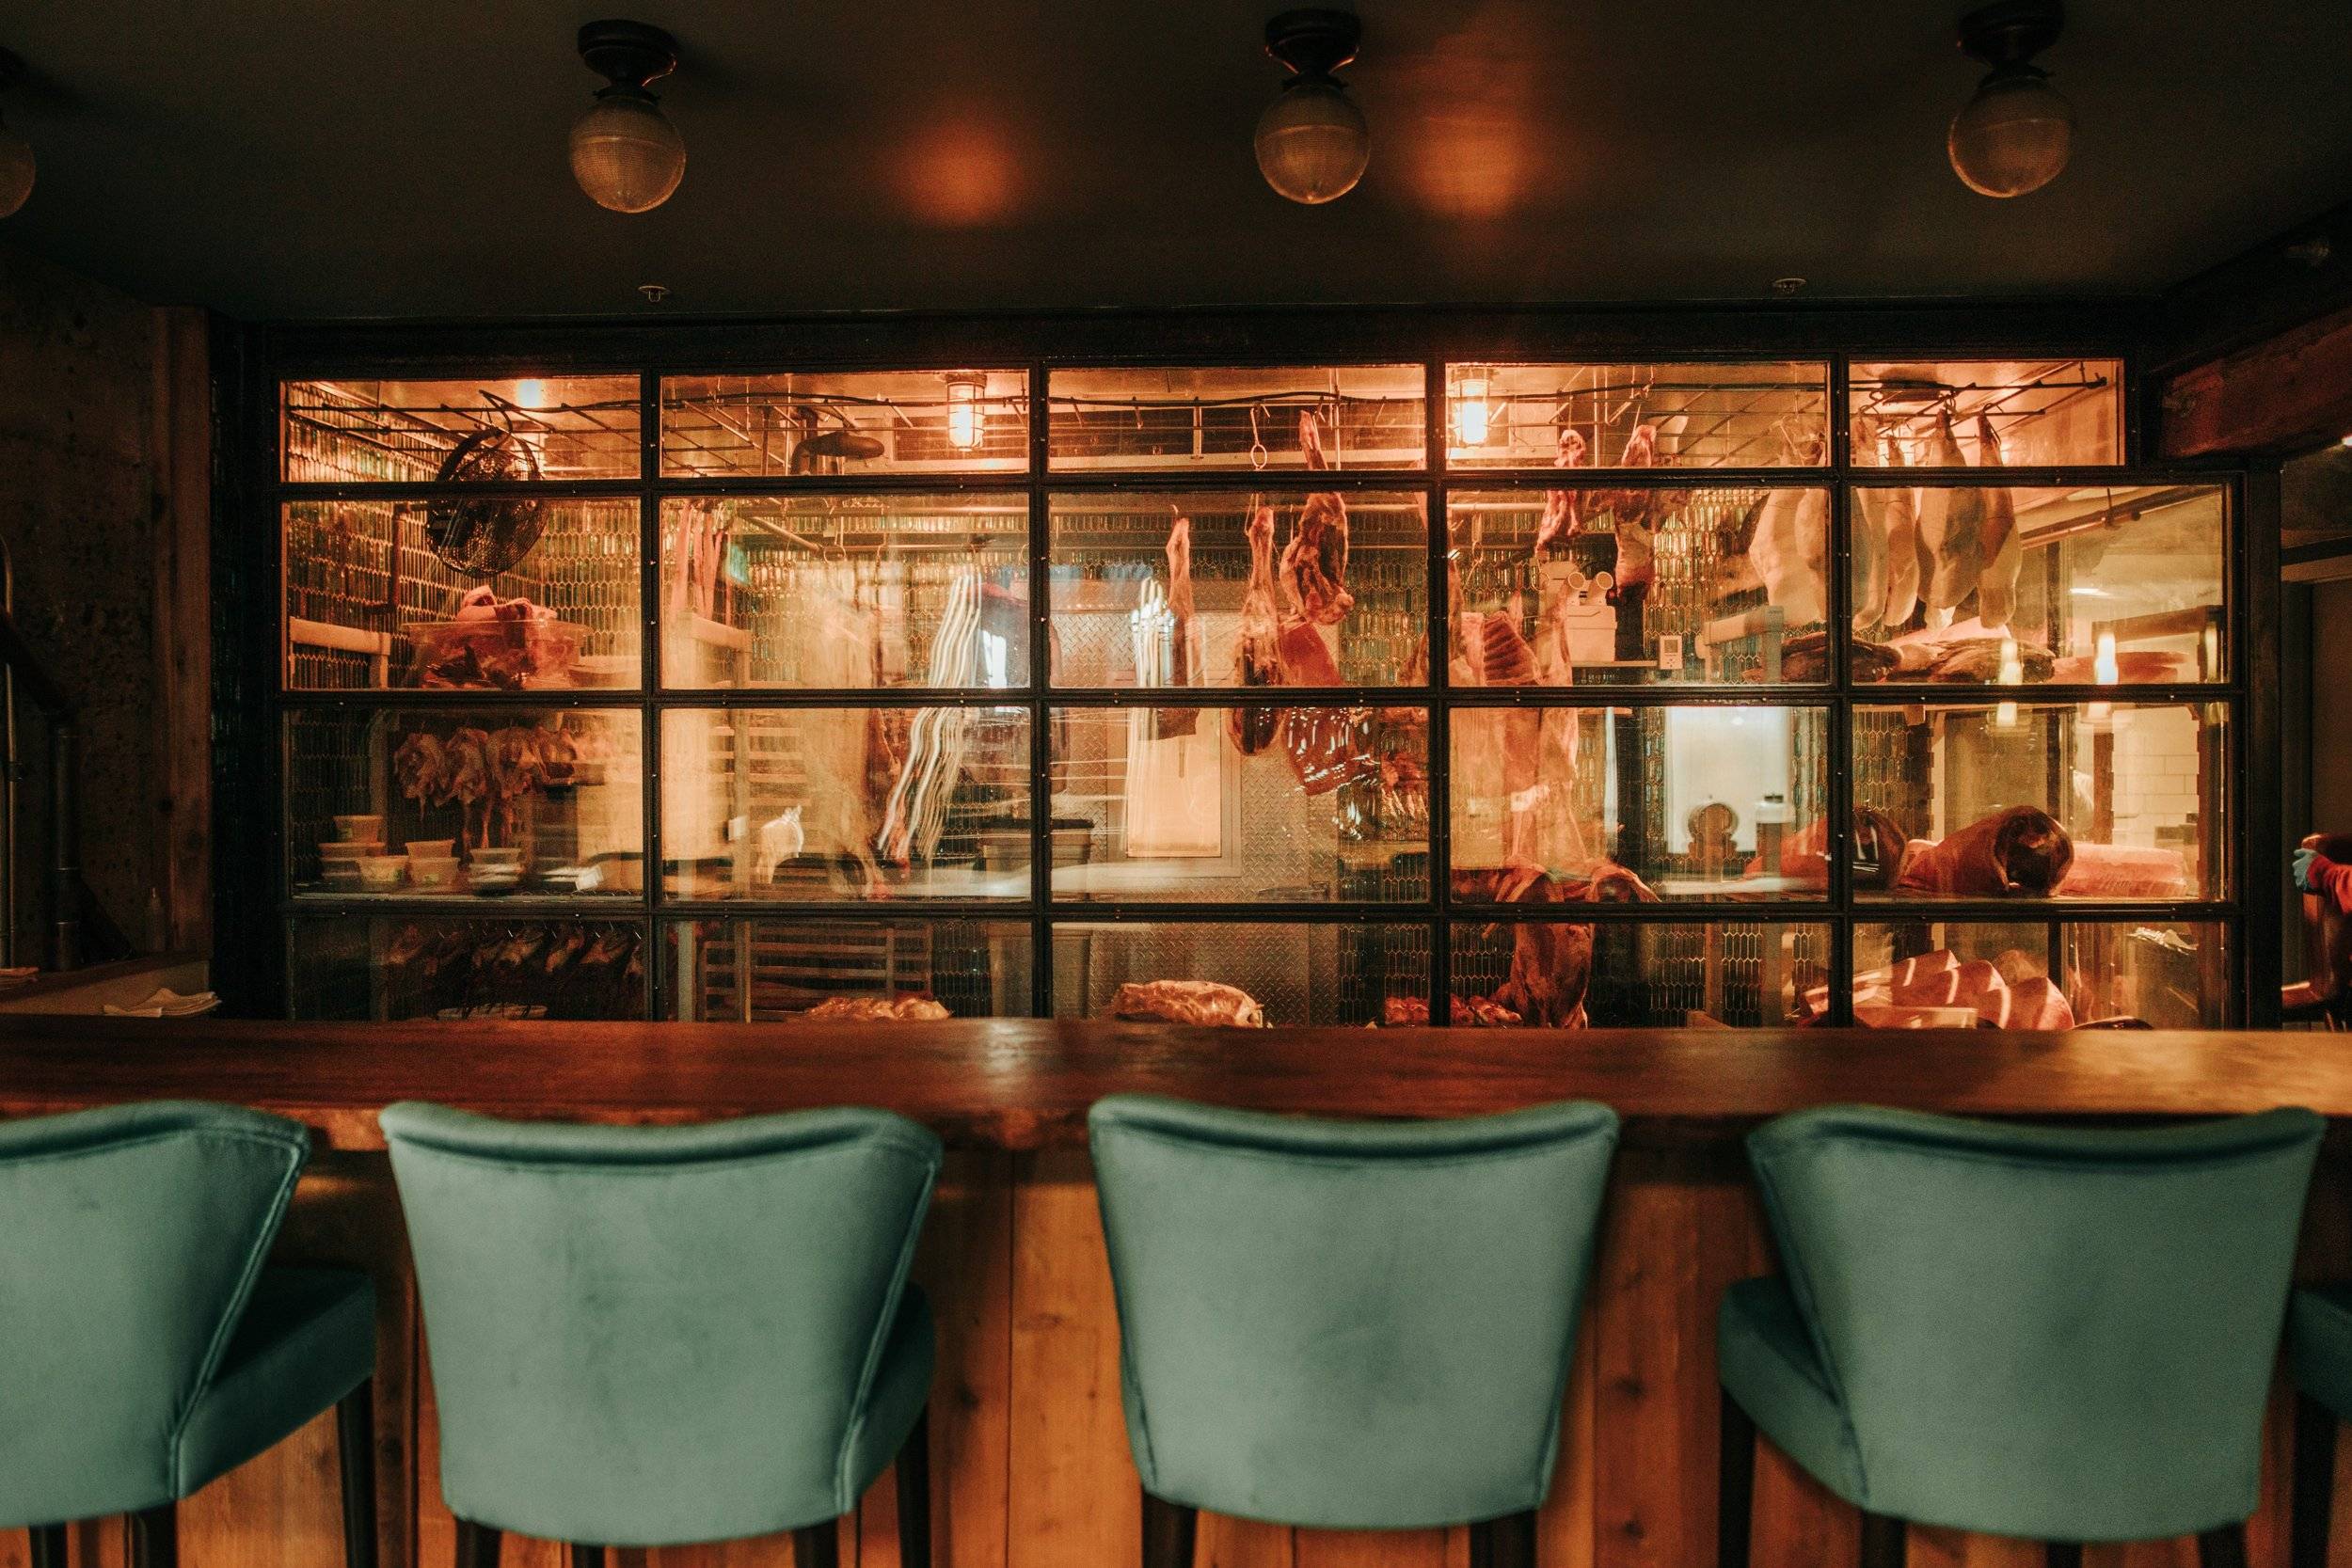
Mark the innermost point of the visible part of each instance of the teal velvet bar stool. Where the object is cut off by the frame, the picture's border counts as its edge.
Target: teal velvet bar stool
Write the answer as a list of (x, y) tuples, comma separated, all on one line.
[(145, 1347), (2057, 1335), (1348, 1326), (653, 1337), (2319, 1349)]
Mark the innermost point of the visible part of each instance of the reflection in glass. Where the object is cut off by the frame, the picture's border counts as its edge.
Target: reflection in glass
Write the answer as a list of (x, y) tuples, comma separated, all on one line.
[(2038, 975), (838, 804), (1235, 589), (2026, 585), (845, 591), (2104, 801), (1757, 415), (464, 804), (844, 971), (369, 606), (1619, 975), (348, 430), (835, 422), (1361, 417), (1260, 805), (1569, 805), (2025, 413), (384, 970), (1601, 587), (1237, 975)]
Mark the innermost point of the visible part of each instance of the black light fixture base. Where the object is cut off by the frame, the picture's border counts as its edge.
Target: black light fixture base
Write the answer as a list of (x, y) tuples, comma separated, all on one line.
[(629, 54), (2011, 32), (12, 68), (1313, 41)]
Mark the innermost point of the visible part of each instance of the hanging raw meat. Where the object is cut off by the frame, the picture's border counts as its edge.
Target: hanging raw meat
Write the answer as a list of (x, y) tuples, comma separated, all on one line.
[(1951, 530), (1562, 512), (2020, 852), (1634, 514), (2004, 552), (1184, 630), (465, 775), (1868, 577), (1901, 517), (1314, 563), (1790, 549), (915, 813), (418, 769), (1198, 1002), (1257, 642)]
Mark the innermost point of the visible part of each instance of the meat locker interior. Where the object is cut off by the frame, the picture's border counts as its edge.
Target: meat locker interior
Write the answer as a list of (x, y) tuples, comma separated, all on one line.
[(1689, 689)]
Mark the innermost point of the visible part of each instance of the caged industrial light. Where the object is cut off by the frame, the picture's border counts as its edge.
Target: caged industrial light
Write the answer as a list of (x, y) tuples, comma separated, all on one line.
[(16, 153), (2015, 134), (1312, 144), (625, 153)]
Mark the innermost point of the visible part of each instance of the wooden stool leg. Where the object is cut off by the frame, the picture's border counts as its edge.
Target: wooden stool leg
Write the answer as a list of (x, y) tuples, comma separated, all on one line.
[(1168, 1532), (2062, 1554), (355, 1452), (478, 1545), (2314, 1484), (915, 1494), (155, 1537), (1884, 1541), (2222, 1548), (48, 1546), (817, 1546), (587, 1557), (1506, 1543), (1735, 1484)]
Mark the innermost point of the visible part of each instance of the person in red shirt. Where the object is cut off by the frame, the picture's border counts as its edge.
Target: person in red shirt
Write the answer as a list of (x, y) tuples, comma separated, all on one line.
[(2315, 873)]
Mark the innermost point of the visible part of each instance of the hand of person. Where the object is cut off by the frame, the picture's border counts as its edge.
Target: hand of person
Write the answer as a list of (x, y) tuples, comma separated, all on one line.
[(2307, 870)]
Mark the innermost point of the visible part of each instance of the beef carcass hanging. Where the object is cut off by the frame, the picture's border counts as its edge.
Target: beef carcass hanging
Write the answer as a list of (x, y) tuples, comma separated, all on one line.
[(1901, 521), (1257, 639), (1790, 549), (1951, 530), (1869, 577), (1198, 1002), (2004, 552), (1314, 564), (1562, 513), (915, 813)]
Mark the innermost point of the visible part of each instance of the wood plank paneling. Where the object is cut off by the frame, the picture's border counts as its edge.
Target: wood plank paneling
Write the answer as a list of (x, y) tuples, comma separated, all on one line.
[(1244, 1544), (1076, 1498), (1324, 1548)]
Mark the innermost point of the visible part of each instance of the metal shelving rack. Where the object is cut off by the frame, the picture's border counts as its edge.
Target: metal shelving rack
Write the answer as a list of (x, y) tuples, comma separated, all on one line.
[(1426, 932)]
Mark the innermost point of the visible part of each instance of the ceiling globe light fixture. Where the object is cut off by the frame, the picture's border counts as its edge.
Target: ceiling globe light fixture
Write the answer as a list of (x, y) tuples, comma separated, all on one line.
[(16, 153), (2013, 136), (1312, 143), (625, 153)]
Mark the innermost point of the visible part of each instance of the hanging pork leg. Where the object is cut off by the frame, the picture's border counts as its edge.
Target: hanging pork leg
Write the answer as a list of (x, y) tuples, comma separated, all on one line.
[(2003, 552)]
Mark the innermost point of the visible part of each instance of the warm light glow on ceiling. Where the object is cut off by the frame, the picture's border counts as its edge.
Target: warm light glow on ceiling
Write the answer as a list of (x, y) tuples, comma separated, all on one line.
[(960, 173)]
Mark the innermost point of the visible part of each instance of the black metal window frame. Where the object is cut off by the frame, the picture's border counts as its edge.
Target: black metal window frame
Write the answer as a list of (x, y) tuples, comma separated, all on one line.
[(252, 739)]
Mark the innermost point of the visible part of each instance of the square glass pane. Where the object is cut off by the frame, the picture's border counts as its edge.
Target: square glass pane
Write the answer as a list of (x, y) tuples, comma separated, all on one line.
[(464, 806), (1241, 805), (844, 971), (830, 423), (370, 606), (1570, 804), (1236, 589), (818, 804), (1238, 973), (2315, 497), (1755, 416), (1596, 587), (2024, 800), (354, 431), (845, 591), (2040, 974), (1622, 975), (2028, 585), (1284, 419), (362, 969), (1974, 413)]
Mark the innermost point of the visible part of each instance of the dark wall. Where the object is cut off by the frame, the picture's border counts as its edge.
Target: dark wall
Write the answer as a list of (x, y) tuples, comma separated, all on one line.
[(82, 491)]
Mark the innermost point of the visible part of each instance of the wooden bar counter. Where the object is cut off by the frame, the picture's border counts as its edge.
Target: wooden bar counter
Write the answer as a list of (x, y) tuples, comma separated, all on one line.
[(1030, 1466)]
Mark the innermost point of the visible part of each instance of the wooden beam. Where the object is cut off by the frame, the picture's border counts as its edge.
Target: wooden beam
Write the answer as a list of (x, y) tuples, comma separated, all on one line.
[(2276, 398), (181, 461)]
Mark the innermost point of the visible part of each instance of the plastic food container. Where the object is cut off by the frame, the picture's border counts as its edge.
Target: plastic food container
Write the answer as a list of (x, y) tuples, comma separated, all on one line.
[(432, 871), (382, 873), (359, 830), (432, 849), (342, 873)]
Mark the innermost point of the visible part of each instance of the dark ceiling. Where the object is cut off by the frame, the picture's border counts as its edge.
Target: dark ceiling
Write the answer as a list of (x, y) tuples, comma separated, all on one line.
[(386, 158)]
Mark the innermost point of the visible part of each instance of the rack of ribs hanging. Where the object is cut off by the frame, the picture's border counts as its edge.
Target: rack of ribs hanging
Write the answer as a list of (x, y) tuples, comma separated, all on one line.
[(1281, 643)]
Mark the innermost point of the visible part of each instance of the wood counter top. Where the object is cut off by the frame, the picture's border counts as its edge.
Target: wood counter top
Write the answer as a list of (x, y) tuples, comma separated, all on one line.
[(1026, 1084)]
